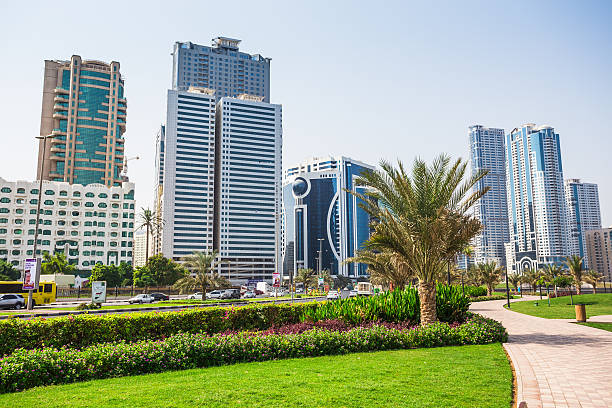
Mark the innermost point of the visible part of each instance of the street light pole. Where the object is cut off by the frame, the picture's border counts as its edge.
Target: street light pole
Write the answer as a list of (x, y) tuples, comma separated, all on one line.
[(507, 289), (320, 259), (40, 184)]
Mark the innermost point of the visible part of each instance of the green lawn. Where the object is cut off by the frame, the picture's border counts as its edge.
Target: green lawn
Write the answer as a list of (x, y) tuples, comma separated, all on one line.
[(560, 308), (465, 376), (602, 326)]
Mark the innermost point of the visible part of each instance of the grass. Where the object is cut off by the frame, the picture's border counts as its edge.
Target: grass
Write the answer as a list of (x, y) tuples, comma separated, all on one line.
[(465, 376), (560, 308), (602, 326)]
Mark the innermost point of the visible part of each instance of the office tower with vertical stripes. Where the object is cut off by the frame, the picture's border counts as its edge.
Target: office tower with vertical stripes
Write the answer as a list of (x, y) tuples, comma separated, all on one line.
[(583, 214), (487, 153), (536, 199), (188, 173), (222, 67), (248, 145), (84, 112)]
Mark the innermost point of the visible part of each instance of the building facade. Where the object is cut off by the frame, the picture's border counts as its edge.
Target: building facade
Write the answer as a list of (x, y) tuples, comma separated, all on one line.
[(487, 153), (187, 173), (140, 248), (322, 223), (598, 245), (84, 112), (536, 199), (248, 169), (583, 214), (221, 67), (158, 190), (90, 224)]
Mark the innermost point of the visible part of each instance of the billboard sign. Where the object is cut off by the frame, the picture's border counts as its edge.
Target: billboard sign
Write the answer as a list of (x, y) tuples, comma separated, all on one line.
[(98, 292), (31, 273), (276, 280)]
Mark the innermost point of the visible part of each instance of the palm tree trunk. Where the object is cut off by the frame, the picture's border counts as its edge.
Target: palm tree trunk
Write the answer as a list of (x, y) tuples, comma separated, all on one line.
[(147, 246), (579, 288), (489, 289), (427, 297), (595, 288)]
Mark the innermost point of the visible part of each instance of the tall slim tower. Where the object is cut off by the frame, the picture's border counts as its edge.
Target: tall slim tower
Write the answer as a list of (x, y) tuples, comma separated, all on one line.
[(221, 67), (84, 108), (487, 152), (583, 214), (536, 199)]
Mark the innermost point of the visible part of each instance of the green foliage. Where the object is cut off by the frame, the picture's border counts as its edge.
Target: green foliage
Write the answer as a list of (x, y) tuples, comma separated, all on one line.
[(475, 291), (108, 273), (5, 278), (163, 270), (307, 277), (88, 306), (143, 277), (32, 368), (56, 264), (341, 282), (126, 272), (563, 281), (9, 271)]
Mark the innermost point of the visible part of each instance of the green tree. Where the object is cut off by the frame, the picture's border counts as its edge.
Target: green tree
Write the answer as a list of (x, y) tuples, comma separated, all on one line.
[(56, 265), (383, 268), (9, 271), (575, 268), (565, 281), (550, 272), (341, 282), (126, 272), (143, 277), (422, 218), (200, 266), (593, 278), (147, 220), (488, 274), (164, 271), (307, 277), (515, 280), (531, 277), (108, 273)]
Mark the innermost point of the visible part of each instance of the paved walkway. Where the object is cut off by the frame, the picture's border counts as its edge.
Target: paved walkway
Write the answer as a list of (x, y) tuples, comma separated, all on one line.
[(557, 363)]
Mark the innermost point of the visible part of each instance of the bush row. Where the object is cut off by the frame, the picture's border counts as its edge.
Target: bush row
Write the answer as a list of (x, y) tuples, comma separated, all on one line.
[(475, 291), (484, 298), (83, 330), (30, 368)]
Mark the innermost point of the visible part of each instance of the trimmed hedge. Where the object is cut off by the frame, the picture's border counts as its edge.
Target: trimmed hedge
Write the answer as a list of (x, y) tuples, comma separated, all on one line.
[(485, 298), (31, 368), (84, 330), (475, 291)]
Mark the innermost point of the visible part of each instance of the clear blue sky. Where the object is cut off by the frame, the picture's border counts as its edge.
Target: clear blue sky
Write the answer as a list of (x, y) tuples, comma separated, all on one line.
[(367, 80)]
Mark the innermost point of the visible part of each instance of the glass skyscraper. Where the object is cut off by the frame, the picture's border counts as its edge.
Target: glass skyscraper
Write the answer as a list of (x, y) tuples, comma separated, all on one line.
[(221, 67), (319, 215), (583, 214), (536, 199), (487, 153), (84, 109)]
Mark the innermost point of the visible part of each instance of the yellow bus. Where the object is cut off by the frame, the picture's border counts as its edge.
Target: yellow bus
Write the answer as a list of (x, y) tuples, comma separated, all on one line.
[(45, 293)]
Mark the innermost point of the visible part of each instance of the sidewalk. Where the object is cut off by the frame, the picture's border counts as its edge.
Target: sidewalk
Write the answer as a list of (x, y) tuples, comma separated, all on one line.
[(557, 363)]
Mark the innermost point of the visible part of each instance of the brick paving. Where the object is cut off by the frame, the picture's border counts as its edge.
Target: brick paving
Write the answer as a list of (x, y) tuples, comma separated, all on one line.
[(557, 363)]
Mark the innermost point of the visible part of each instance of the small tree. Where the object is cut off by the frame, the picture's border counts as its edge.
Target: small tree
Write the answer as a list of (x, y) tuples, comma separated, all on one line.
[(9, 271), (488, 274), (200, 265), (164, 271), (56, 264), (126, 272), (307, 277), (108, 273), (593, 278), (515, 280), (341, 282), (574, 267), (532, 277), (143, 277), (564, 281)]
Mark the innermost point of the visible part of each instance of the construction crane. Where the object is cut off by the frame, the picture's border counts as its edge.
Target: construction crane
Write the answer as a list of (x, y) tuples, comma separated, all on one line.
[(124, 176)]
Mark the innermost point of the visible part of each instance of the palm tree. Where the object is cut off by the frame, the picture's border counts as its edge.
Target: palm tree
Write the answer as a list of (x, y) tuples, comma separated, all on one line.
[(593, 278), (532, 277), (489, 274), (147, 220), (56, 264), (515, 280), (421, 218), (574, 266), (307, 277), (550, 272), (200, 264), (383, 267)]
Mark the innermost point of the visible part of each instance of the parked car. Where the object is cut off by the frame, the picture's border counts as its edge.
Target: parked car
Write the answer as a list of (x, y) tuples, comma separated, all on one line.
[(332, 295), (215, 294), (11, 301), (299, 291), (231, 294), (353, 293), (249, 295), (160, 296), (278, 293), (195, 296), (142, 298)]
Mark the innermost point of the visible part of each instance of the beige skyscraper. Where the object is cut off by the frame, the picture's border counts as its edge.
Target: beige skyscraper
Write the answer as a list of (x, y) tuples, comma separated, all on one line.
[(599, 250), (84, 109)]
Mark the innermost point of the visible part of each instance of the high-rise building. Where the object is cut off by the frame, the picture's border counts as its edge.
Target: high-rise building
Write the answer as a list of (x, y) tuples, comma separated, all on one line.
[(323, 224), (536, 199), (582, 202), (158, 194), (140, 248), (84, 109), (187, 173), (91, 224), (221, 67), (598, 244), (248, 145), (487, 152)]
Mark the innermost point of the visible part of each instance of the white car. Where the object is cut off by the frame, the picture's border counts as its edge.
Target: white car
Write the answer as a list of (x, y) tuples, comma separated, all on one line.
[(353, 293), (215, 294), (279, 293), (142, 298), (195, 296), (249, 295), (333, 295)]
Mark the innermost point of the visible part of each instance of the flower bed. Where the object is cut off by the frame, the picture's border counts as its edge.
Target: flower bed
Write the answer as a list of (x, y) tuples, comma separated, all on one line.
[(30, 368), (85, 330)]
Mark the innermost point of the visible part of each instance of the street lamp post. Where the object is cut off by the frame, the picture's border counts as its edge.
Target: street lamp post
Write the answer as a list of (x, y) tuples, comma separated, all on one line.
[(507, 289), (40, 184)]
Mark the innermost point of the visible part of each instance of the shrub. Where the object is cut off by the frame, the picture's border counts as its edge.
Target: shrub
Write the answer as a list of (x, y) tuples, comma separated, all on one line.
[(475, 291), (485, 298), (30, 368), (84, 330), (88, 306)]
